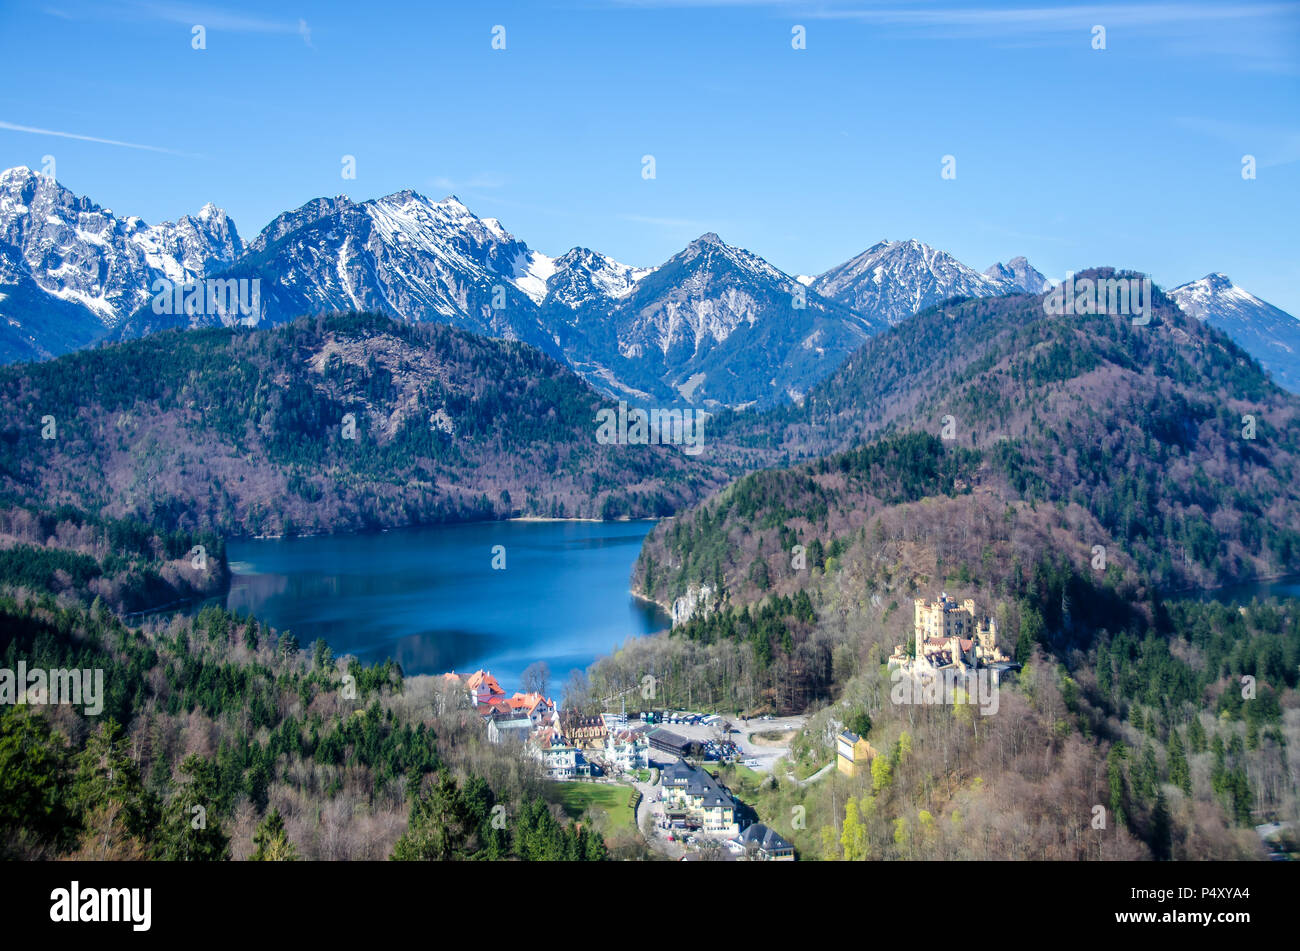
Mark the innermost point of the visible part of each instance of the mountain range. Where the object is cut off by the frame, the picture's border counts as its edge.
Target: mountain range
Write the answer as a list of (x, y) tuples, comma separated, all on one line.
[(70, 270), (713, 326)]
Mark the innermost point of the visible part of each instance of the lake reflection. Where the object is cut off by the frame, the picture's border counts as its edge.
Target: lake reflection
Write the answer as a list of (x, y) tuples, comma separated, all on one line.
[(430, 599)]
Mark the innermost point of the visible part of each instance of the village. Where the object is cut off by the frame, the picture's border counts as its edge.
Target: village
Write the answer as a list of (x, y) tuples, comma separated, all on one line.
[(671, 757), (688, 812)]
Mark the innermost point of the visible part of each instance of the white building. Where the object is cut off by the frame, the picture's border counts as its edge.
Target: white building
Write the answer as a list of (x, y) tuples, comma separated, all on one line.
[(627, 751), (504, 727), (560, 759)]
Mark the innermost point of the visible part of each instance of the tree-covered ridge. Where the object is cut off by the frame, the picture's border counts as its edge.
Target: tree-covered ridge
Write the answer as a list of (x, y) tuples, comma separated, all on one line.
[(126, 563), (251, 431), (1170, 437), (954, 344), (761, 517)]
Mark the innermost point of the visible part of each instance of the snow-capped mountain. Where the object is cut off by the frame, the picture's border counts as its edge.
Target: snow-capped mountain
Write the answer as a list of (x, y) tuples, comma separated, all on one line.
[(1269, 334), (582, 276), (1019, 272), (714, 324), (78, 252), (36, 325), (892, 280), (718, 324), (402, 255)]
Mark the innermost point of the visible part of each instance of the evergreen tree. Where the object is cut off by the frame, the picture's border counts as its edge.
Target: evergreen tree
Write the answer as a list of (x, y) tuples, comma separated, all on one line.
[(1179, 772), (190, 830), (272, 841), (1115, 779), (33, 776), (439, 827), (1161, 831), (105, 774), (287, 645)]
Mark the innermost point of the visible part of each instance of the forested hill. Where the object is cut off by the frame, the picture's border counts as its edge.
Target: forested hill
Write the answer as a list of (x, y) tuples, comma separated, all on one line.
[(1167, 435), (1087, 469), (327, 424), (1006, 352)]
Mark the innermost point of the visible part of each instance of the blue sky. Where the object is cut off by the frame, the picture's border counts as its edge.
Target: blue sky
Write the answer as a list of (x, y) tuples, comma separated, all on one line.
[(1129, 156)]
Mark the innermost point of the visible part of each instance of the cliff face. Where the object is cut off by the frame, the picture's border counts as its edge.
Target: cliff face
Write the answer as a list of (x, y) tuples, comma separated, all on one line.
[(698, 599)]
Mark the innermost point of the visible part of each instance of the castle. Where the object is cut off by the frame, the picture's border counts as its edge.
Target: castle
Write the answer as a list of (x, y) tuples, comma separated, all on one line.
[(949, 635)]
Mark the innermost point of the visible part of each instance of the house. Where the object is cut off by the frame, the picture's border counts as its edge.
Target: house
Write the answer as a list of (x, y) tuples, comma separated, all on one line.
[(539, 709), (852, 753), (561, 762), (627, 751), (508, 727), (560, 759), (692, 795), (762, 844), (494, 706), (586, 732), (482, 687)]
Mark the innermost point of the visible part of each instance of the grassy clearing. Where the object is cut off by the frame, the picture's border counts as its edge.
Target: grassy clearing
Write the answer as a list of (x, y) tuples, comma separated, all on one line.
[(609, 804), (741, 779), (805, 768)]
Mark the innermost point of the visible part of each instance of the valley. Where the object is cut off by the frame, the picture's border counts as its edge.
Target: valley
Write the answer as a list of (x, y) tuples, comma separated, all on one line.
[(1068, 471)]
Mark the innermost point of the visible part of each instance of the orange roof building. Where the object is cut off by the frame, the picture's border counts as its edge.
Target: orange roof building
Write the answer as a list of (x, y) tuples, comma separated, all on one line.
[(482, 686)]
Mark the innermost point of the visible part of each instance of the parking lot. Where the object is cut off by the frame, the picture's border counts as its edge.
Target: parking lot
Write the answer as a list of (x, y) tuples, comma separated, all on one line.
[(736, 745)]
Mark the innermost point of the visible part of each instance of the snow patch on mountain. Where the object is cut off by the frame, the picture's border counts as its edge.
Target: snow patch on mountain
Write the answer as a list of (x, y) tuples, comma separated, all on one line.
[(1020, 273), (77, 251), (892, 280), (530, 272), (1268, 333)]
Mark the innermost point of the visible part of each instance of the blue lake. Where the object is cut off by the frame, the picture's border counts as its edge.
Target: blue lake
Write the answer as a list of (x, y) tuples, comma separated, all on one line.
[(1287, 586), (430, 599)]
